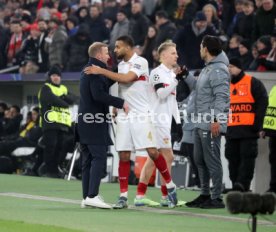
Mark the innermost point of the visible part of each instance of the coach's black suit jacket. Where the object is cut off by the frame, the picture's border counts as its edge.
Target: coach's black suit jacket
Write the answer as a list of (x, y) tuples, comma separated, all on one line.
[(94, 107)]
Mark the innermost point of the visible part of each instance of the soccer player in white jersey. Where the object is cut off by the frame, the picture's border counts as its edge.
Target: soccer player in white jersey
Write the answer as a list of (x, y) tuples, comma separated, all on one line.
[(134, 131), (163, 82)]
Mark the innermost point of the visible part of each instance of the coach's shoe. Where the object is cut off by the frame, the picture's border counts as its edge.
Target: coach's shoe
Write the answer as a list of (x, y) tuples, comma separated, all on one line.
[(121, 204), (172, 195), (165, 202), (145, 202), (213, 204), (97, 202), (196, 203)]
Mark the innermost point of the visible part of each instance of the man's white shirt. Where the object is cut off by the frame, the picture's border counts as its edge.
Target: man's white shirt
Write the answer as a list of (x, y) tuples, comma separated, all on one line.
[(163, 82)]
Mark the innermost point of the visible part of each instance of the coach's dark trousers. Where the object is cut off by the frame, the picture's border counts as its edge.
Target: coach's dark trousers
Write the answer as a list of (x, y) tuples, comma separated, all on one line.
[(93, 160), (241, 155), (207, 160)]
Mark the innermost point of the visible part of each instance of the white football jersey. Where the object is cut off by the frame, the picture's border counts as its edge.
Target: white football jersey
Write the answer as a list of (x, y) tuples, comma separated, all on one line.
[(136, 94), (163, 99)]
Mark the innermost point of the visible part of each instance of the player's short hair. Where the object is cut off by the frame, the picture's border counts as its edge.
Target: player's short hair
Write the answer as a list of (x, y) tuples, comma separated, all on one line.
[(95, 48), (127, 40), (164, 46), (213, 44)]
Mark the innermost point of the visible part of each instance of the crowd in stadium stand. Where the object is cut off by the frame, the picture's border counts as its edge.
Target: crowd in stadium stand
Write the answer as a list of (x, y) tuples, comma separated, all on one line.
[(36, 34)]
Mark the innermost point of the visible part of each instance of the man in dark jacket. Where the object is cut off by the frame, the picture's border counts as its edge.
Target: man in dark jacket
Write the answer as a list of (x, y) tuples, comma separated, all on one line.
[(188, 41), (10, 124), (248, 101), (167, 29), (54, 101), (93, 120), (74, 55), (265, 19), (139, 23)]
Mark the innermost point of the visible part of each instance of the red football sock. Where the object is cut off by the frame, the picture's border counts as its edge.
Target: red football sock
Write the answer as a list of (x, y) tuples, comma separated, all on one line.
[(162, 167), (124, 170), (164, 190), (141, 189)]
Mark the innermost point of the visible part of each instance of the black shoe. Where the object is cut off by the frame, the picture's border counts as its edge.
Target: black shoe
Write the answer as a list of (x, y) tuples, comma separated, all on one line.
[(213, 204), (196, 203), (238, 187)]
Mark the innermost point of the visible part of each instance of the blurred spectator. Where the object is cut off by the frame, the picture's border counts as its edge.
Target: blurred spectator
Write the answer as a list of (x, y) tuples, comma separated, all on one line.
[(245, 56), (64, 17), (98, 30), (265, 19), (110, 10), (125, 5), (258, 3), (30, 45), (168, 6), (166, 28), (184, 13), (228, 12), (3, 108), (149, 8), (11, 123), (28, 137), (248, 101), (71, 25), (188, 41), (245, 23), (149, 45), (74, 54), (29, 67), (264, 46), (234, 43), (55, 41), (120, 28), (15, 43), (82, 14), (26, 21), (212, 18), (42, 53), (138, 24), (270, 61), (236, 17), (4, 39)]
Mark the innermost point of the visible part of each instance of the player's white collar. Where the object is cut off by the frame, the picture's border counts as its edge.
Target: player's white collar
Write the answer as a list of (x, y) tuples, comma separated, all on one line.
[(131, 58), (165, 68)]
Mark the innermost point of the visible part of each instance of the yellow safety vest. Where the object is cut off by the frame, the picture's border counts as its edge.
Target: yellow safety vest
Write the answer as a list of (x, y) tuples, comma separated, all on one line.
[(57, 114), (270, 114), (28, 128)]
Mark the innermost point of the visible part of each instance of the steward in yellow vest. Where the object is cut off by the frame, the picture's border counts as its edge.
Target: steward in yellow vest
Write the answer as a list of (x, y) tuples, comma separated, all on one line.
[(55, 120), (269, 128), (248, 101)]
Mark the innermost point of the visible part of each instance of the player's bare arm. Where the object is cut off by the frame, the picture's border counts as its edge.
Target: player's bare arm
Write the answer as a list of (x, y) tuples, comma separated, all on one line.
[(119, 77)]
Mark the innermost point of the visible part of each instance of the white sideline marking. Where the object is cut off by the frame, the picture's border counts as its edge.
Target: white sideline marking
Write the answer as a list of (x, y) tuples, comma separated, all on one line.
[(144, 209)]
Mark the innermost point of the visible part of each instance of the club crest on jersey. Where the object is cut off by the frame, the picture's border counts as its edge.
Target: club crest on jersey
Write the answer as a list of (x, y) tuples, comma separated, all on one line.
[(156, 77)]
